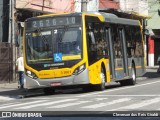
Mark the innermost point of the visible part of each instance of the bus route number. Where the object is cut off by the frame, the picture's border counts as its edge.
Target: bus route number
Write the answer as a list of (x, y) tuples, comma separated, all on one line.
[(53, 22)]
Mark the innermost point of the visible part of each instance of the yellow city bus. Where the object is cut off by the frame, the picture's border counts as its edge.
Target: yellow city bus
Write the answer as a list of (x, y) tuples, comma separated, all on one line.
[(86, 49)]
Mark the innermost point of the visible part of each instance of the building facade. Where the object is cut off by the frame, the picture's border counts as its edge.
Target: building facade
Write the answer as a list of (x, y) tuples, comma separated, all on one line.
[(24, 9), (152, 38), (109, 4), (154, 32), (138, 6), (6, 48)]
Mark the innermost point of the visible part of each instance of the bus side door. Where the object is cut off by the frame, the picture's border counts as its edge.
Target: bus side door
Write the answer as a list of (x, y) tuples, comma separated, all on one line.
[(123, 50), (110, 52), (117, 52)]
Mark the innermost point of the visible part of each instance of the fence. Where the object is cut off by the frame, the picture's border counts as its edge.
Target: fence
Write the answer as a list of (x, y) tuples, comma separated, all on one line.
[(7, 63)]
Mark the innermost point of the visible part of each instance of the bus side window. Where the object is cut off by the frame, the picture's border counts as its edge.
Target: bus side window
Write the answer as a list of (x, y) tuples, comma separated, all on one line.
[(101, 41), (97, 44), (139, 46), (116, 42), (128, 34)]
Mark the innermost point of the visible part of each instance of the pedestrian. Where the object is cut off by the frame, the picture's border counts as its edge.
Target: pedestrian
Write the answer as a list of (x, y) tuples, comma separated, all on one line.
[(20, 69), (158, 61)]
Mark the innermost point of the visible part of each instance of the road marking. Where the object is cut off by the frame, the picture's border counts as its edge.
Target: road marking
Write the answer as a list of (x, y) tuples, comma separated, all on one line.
[(138, 105), (69, 104), (8, 104), (141, 78), (6, 98), (106, 104), (122, 88), (128, 96), (46, 103), (99, 99), (16, 105)]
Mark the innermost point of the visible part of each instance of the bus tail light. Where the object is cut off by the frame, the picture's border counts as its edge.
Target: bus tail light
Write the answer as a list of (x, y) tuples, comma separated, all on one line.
[(31, 74), (79, 69)]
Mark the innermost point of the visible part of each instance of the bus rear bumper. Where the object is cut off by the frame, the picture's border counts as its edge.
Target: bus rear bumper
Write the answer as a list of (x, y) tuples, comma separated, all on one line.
[(79, 79)]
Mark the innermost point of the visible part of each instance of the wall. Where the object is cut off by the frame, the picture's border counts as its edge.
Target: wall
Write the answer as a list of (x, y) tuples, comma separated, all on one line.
[(92, 5), (52, 6), (56, 6), (104, 4), (139, 6), (154, 26), (154, 22)]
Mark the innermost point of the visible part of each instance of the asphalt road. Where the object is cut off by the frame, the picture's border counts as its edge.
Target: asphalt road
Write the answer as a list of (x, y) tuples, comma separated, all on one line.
[(144, 96)]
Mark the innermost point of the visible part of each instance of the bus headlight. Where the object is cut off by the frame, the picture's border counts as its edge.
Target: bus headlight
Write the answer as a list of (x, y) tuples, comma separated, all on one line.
[(31, 74), (79, 69)]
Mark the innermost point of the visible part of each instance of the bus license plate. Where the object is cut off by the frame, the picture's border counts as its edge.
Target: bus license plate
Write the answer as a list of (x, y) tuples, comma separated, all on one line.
[(56, 84)]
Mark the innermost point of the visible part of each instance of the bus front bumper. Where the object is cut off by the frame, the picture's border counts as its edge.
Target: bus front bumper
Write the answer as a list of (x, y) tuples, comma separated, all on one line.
[(79, 79)]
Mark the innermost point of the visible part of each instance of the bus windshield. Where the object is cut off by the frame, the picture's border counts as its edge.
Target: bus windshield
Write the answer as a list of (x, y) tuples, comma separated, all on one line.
[(43, 45)]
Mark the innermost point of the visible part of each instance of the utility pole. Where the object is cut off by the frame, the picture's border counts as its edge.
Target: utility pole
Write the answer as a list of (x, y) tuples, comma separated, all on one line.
[(84, 5), (11, 37), (10, 22), (14, 55)]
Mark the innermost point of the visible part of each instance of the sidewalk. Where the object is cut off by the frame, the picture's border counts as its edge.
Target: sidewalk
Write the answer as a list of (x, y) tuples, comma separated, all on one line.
[(154, 67), (8, 86)]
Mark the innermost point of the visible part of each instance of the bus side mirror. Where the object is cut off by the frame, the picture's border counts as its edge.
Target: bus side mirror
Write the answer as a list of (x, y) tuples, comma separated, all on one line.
[(148, 32)]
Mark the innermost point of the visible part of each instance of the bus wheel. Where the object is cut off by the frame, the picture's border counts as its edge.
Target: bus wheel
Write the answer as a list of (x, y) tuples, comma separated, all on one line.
[(132, 81), (101, 86), (48, 91)]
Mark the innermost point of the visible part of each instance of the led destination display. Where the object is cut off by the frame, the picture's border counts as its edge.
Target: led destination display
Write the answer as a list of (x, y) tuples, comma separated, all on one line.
[(53, 21)]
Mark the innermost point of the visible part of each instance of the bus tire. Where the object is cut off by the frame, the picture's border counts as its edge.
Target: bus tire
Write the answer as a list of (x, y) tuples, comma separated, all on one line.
[(123, 82), (101, 86), (132, 81), (88, 88), (48, 91)]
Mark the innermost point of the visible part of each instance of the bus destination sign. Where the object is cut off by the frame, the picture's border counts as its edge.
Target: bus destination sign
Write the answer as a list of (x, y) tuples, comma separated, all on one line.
[(51, 22)]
